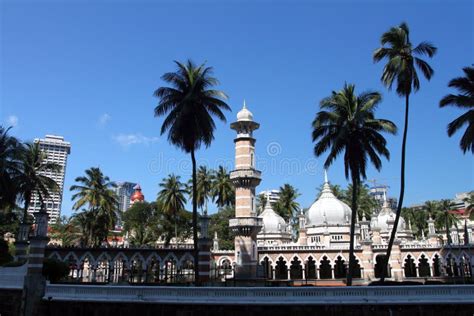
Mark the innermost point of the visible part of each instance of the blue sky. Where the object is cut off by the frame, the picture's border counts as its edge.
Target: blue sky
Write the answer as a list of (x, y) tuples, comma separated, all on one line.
[(87, 71)]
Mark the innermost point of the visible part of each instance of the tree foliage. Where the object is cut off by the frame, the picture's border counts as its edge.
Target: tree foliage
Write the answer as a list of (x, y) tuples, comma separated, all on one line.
[(463, 100)]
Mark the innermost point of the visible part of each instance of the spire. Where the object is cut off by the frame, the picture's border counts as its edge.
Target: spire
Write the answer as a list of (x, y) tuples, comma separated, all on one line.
[(326, 191), (245, 105)]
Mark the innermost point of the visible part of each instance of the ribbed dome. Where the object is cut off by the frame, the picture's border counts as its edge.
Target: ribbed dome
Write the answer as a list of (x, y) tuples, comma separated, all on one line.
[(244, 114), (328, 209), (272, 222), (385, 217)]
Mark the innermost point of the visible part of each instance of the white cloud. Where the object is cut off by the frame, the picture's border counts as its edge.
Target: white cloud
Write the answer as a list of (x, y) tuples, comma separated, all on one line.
[(12, 120), (104, 119), (126, 140)]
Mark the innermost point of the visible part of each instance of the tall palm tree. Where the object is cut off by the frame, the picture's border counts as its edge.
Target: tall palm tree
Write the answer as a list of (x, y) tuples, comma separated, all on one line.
[(347, 124), (95, 192), (287, 206), (172, 197), (223, 192), (204, 179), (463, 100), (33, 178), (10, 152), (189, 105), (402, 63)]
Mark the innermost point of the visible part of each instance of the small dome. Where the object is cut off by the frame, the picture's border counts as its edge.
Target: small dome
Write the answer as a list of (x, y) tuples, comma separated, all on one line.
[(272, 222), (386, 218), (137, 195), (328, 209), (244, 114)]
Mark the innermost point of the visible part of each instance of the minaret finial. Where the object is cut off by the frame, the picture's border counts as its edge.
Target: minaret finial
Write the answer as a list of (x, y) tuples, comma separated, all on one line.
[(245, 105), (325, 176)]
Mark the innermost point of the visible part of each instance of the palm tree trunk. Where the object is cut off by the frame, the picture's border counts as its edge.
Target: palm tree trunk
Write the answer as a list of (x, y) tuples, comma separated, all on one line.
[(195, 223), (355, 186), (25, 209), (402, 191)]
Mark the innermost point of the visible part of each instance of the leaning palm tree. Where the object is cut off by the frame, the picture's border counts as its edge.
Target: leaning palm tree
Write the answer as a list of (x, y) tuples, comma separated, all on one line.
[(223, 192), (189, 105), (172, 198), (402, 63), (347, 124), (33, 177), (10, 153), (463, 100), (95, 192)]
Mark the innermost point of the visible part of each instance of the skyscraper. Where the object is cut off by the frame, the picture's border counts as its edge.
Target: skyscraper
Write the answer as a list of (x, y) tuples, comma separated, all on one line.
[(56, 150), (124, 191)]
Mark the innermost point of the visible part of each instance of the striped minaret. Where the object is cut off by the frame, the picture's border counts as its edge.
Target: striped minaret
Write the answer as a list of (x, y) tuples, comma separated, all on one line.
[(38, 243), (21, 242), (204, 245), (245, 178)]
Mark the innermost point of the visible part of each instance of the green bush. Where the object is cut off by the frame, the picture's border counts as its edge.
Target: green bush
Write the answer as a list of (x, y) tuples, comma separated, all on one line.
[(55, 270)]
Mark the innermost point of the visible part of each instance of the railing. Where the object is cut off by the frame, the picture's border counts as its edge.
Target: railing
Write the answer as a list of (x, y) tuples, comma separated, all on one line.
[(365, 295), (12, 278), (297, 248)]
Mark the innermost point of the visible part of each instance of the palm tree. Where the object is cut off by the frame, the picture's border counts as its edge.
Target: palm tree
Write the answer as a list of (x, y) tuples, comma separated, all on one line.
[(223, 192), (189, 106), (32, 177), (365, 202), (172, 198), (463, 100), (446, 218), (401, 67), (469, 200), (95, 192), (347, 123), (204, 178), (261, 202), (10, 152), (287, 206)]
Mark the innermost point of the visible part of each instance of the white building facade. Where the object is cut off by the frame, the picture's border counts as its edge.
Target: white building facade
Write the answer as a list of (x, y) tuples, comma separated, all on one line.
[(57, 151)]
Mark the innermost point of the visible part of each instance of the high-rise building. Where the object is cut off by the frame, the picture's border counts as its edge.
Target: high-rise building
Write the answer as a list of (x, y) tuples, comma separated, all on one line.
[(124, 191), (272, 195), (379, 193), (56, 150)]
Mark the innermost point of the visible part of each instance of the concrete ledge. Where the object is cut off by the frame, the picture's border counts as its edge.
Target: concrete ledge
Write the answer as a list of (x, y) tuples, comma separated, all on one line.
[(359, 295)]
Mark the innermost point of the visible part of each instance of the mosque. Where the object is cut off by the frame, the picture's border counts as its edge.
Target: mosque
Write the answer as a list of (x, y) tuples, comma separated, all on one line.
[(266, 248)]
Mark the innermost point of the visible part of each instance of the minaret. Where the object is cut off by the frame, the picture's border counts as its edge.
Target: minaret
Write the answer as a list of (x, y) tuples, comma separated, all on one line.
[(245, 178)]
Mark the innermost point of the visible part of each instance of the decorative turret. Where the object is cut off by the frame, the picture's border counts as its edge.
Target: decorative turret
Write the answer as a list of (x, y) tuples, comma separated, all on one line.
[(137, 196)]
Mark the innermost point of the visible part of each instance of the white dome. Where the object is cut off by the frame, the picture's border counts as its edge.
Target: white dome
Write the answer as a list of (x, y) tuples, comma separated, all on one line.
[(272, 222), (244, 114), (386, 216), (328, 209)]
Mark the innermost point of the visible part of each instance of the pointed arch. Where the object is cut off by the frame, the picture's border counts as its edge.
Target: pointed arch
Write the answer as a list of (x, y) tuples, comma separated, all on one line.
[(71, 257), (122, 258), (89, 257), (55, 255), (184, 258), (104, 256), (153, 256)]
